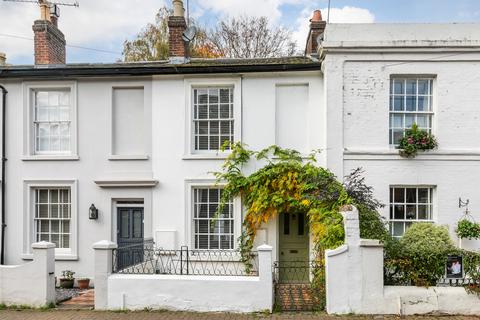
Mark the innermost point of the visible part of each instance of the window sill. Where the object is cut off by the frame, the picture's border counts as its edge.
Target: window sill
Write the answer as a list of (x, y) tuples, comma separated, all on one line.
[(127, 157), (51, 158), (206, 156), (58, 257)]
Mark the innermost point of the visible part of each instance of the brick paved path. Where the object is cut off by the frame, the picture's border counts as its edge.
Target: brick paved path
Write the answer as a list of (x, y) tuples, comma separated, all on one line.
[(94, 315)]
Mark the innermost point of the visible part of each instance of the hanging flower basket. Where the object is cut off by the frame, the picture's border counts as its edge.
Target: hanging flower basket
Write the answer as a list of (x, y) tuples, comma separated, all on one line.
[(468, 229), (416, 140)]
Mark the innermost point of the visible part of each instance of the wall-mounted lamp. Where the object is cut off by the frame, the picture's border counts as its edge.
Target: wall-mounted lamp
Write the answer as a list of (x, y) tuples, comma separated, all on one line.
[(93, 212)]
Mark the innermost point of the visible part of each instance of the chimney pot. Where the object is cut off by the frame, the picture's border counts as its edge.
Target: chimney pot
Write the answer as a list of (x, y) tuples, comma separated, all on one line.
[(3, 59), (317, 16), (178, 9), (317, 27)]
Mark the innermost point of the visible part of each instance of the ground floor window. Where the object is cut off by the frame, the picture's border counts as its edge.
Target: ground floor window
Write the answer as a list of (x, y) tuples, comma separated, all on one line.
[(52, 217), (409, 205), (211, 232)]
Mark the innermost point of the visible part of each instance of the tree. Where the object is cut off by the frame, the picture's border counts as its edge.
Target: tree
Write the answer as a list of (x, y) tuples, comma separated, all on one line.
[(151, 44), (251, 37), (244, 37)]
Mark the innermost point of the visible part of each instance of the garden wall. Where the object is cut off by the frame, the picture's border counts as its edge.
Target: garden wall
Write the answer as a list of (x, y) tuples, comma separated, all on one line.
[(182, 292), (31, 284), (354, 283)]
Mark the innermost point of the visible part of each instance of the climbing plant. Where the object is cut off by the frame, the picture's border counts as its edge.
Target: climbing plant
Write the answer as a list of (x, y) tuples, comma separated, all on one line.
[(286, 182)]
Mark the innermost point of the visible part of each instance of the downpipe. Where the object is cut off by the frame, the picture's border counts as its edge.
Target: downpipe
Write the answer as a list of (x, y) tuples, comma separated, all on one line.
[(4, 161)]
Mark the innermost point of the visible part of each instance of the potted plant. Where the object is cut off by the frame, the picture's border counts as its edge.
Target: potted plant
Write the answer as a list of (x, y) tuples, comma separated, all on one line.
[(416, 140), (83, 283), (67, 279)]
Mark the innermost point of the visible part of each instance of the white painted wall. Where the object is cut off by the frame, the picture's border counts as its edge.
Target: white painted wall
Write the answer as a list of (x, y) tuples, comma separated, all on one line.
[(357, 85), (31, 284), (94, 100), (165, 158), (182, 292)]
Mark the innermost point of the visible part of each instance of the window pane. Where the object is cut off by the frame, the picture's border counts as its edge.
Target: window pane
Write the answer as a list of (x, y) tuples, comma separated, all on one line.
[(411, 103), (409, 120), (411, 86), (399, 87), (398, 103), (423, 103), (423, 212), (422, 121), (411, 195), (411, 212), (399, 212), (399, 195), (398, 229), (423, 87), (423, 195)]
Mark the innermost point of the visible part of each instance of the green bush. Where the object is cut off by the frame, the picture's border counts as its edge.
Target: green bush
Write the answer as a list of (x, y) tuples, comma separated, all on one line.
[(419, 257)]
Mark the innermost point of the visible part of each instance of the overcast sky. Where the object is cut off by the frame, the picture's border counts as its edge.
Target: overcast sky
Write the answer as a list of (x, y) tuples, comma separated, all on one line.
[(106, 24)]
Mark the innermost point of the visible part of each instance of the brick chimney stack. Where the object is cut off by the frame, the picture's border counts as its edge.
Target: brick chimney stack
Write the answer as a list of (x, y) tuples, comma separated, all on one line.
[(49, 40), (176, 27), (317, 27)]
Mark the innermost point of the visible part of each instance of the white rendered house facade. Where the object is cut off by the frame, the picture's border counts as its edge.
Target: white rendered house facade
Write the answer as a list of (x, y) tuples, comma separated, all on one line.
[(142, 150), (382, 78)]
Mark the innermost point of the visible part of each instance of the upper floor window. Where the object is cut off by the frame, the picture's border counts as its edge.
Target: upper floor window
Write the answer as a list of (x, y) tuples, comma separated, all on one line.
[(52, 121), (213, 117), (408, 205), (410, 102)]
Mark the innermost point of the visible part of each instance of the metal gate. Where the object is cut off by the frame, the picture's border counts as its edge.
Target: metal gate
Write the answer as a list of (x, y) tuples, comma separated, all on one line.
[(293, 289)]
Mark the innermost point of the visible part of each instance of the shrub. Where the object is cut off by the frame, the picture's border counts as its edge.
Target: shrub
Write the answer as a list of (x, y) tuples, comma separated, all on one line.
[(419, 257)]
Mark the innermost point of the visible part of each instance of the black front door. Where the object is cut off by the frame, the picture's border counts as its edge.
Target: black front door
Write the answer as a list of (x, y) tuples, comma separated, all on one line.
[(130, 237)]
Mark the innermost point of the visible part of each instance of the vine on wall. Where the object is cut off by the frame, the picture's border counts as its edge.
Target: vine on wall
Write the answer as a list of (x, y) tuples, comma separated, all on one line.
[(289, 183)]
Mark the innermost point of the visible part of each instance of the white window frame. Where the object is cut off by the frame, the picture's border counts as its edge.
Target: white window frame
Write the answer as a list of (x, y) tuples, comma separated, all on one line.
[(29, 89), (190, 84), (391, 93), (191, 184), (29, 215), (432, 194)]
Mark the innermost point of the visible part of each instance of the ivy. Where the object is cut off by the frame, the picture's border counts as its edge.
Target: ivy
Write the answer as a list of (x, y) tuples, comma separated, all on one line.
[(415, 140), (289, 183)]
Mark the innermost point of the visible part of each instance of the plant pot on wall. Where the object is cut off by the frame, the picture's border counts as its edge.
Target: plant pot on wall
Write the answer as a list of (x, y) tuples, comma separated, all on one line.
[(66, 283), (83, 283)]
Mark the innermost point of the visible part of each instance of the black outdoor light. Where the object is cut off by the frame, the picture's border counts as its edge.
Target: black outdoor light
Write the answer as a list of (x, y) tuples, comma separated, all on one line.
[(93, 212)]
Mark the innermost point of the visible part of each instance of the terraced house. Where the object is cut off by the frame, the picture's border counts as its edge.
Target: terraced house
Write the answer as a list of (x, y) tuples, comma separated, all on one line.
[(125, 151)]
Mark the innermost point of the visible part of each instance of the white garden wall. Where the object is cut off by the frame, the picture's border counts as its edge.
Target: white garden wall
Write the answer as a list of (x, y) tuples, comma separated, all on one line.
[(31, 284), (182, 292), (354, 283)]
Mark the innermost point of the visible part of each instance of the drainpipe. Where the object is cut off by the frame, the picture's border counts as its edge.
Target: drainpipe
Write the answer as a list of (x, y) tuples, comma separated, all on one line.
[(4, 160)]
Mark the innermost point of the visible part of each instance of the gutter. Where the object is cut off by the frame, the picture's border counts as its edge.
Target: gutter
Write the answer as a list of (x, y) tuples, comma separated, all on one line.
[(4, 161), (75, 72)]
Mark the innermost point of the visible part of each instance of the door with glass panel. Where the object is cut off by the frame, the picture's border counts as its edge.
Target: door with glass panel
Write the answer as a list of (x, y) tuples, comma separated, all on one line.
[(130, 237)]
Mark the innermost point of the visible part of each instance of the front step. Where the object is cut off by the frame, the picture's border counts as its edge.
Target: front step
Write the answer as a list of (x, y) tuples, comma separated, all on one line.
[(294, 297), (86, 300)]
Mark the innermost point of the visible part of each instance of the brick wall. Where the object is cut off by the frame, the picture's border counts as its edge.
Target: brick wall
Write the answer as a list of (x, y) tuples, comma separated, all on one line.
[(176, 26), (49, 43)]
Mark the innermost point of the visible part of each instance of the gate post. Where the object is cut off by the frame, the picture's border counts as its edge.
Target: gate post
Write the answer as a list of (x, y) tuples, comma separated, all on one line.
[(103, 268), (265, 271)]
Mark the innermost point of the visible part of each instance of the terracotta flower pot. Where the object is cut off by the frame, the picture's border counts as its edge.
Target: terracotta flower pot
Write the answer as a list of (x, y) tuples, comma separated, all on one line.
[(66, 283), (83, 283)]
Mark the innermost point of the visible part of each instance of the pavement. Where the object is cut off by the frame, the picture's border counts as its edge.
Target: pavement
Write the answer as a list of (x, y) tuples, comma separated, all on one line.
[(58, 314)]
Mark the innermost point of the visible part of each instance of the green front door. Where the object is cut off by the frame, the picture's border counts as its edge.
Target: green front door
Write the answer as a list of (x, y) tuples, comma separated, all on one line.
[(293, 248)]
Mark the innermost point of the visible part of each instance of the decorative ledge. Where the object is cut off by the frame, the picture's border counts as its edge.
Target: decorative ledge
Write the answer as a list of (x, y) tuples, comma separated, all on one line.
[(126, 183), (128, 157), (392, 154)]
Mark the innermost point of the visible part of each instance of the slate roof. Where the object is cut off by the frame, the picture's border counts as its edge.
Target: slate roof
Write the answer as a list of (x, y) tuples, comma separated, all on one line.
[(194, 66)]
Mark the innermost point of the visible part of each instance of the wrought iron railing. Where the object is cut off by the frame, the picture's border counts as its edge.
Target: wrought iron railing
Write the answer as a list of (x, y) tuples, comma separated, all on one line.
[(148, 259)]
